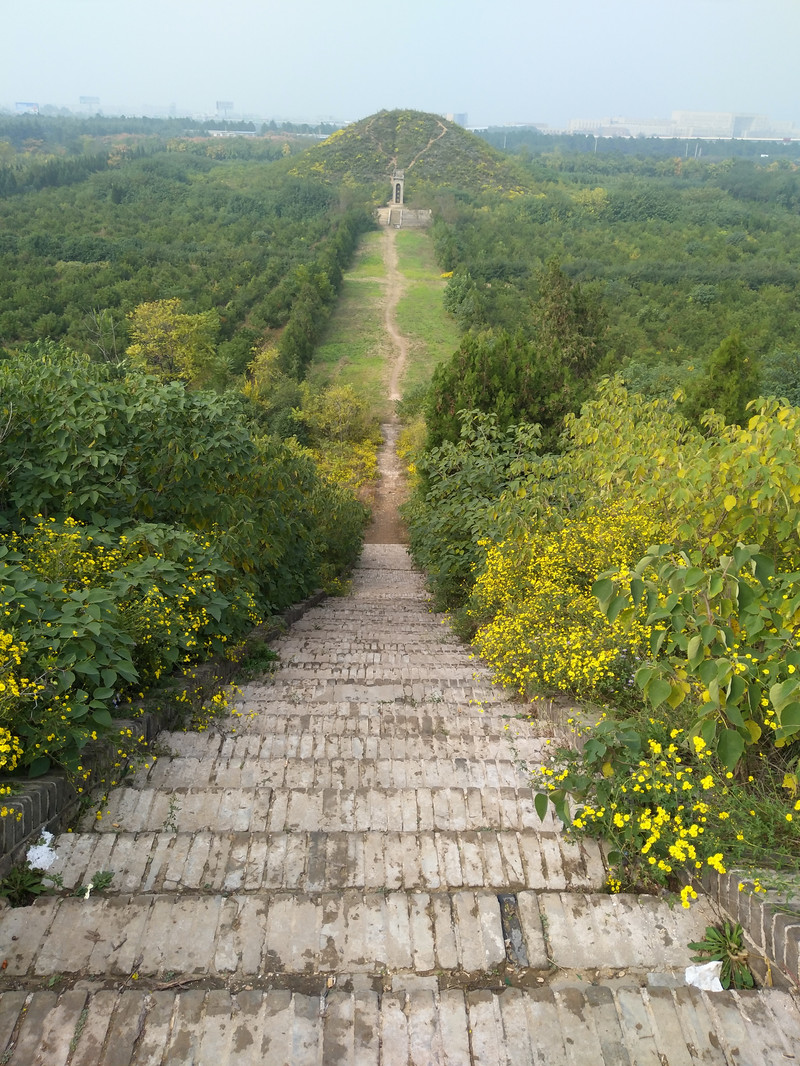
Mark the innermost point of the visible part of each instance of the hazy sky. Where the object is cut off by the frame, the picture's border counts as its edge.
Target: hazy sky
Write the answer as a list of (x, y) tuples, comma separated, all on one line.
[(497, 60)]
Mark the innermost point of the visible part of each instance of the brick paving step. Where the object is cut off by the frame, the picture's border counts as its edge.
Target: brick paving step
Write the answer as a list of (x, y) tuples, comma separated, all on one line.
[(366, 738), (351, 931), (219, 936), (560, 1024), (350, 771), (330, 810), (316, 861), (448, 694), (267, 711)]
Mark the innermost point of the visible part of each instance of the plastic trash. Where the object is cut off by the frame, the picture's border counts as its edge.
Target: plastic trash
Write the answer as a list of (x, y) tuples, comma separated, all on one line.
[(42, 855), (705, 975)]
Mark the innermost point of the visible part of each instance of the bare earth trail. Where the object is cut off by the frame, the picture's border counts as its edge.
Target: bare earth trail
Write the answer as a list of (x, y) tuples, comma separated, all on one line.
[(352, 873), (386, 526)]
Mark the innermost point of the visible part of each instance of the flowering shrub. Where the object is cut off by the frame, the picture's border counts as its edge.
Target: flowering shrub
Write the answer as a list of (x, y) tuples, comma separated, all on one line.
[(10, 750), (84, 441), (570, 584), (93, 611), (145, 527), (545, 628), (726, 636), (663, 805), (455, 502)]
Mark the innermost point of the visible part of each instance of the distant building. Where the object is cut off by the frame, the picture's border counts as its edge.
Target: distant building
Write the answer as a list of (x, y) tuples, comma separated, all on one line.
[(398, 187), (232, 133), (710, 125), (459, 117)]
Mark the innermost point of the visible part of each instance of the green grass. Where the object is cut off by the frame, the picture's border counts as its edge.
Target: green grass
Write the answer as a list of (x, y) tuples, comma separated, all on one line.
[(355, 346), (433, 334), (353, 350), (415, 255), (369, 258)]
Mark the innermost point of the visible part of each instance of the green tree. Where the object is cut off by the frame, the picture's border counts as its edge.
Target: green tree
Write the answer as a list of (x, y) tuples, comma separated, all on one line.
[(731, 380), (173, 344), (519, 378)]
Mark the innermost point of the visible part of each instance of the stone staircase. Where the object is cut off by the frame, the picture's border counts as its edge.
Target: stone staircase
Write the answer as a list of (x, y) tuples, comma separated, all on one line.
[(353, 872)]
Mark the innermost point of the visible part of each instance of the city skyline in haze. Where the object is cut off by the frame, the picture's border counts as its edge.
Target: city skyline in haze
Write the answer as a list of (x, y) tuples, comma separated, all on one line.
[(499, 64)]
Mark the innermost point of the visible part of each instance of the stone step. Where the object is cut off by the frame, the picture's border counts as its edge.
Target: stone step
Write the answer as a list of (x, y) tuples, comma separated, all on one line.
[(346, 932), (330, 810), (218, 936), (346, 771), (262, 708), (565, 1023), (422, 635), (309, 655), (368, 739), (453, 695), (315, 862)]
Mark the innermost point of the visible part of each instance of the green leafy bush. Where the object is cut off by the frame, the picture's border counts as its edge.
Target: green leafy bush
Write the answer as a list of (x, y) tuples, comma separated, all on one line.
[(454, 504), (146, 528)]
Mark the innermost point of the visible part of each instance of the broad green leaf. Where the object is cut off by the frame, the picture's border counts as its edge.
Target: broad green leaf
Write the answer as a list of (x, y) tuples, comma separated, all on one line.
[(658, 691), (603, 590), (754, 729), (637, 590), (782, 693), (39, 766), (789, 716), (692, 577), (541, 803), (694, 650), (730, 748)]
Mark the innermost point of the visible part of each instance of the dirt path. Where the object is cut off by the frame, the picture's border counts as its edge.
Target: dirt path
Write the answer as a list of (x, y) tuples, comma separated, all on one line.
[(394, 290), (433, 140), (386, 527)]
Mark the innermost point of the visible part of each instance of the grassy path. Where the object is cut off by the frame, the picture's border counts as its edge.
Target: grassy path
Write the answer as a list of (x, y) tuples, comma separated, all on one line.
[(389, 330)]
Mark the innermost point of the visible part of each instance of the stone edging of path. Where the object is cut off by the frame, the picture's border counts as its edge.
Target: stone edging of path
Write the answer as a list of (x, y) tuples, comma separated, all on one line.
[(772, 930), (51, 802)]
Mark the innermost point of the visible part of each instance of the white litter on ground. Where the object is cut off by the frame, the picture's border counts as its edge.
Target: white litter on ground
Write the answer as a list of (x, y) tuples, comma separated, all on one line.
[(705, 975), (42, 856)]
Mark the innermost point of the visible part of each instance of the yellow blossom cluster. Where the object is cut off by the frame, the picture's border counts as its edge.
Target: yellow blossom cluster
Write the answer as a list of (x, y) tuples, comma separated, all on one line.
[(654, 811), (10, 750), (546, 629)]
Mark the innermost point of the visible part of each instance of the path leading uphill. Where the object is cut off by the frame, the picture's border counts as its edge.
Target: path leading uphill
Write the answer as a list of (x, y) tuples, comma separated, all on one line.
[(352, 873)]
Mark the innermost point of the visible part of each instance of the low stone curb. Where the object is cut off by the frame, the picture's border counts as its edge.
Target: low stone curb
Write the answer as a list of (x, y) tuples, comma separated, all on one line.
[(771, 923), (51, 802)]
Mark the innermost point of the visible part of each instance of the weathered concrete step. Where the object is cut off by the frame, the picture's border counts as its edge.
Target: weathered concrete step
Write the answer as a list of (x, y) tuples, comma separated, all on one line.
[(360, 612), (250, 935), (366, 647), (338, 772), (376, 668), (450, 694), (381, 592), (350, 931), (561, 1024), (435, 662), (363, 640), (415, 637), (315, 862), (265, 709), (331, 810), (342, 738)]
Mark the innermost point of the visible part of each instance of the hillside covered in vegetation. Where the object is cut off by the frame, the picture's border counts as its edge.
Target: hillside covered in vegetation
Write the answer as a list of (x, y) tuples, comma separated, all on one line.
[(600, 496), (434, 152)]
